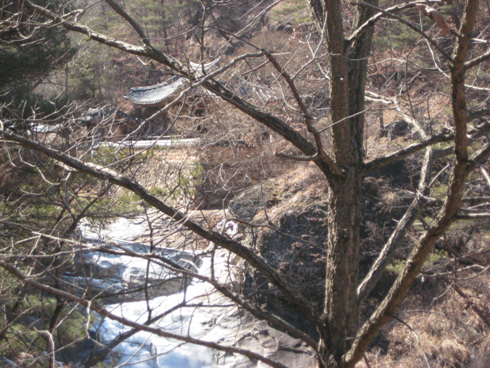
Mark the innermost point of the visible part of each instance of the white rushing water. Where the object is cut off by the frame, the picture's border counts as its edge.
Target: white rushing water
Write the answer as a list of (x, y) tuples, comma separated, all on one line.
[(201, 319)]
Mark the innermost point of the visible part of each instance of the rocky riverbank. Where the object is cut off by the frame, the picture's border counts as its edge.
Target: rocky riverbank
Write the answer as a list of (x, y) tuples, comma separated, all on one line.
[(207, 315)]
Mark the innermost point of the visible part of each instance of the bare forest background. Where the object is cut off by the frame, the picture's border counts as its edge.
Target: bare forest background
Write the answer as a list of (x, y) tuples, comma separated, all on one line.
[(346, 143)]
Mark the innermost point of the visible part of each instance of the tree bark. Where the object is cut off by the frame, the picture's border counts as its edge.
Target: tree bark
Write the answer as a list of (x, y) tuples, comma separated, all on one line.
[(342, 343), (348, 70), (451, 206)]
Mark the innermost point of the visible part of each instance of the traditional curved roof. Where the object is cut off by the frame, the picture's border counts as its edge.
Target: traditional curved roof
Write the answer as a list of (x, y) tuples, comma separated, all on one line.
[(201, 68), (152, 95), (156, 94)]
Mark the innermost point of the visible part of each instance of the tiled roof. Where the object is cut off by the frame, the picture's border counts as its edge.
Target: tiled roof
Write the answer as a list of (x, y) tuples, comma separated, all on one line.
[(152, 95)]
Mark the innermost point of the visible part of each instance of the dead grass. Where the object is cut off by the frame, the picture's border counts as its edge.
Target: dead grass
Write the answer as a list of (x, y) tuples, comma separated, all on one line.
[(390, 200), (438, 328)]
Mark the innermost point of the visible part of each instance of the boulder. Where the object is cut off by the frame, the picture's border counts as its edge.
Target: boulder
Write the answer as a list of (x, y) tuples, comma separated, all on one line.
[(398, 128)]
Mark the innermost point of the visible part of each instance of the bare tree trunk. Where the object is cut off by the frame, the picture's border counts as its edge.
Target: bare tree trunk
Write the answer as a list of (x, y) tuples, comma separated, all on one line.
[(348, 68), (339, 320), (342, 343), (453, 200)]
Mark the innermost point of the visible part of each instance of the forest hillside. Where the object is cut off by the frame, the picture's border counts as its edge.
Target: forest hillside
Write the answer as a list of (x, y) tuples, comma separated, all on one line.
[(277, 183)]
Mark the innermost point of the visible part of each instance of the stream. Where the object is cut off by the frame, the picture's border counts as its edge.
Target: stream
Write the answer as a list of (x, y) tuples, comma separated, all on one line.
[(207, 314)]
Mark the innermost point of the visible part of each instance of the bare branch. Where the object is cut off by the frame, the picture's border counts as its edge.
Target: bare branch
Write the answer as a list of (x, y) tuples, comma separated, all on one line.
[(51, 347), (96, 36), (450, 208), (485, 174), (370, 22), (407, 23), (479, 157), (296, 158), (471, 63), (378, 267), (272, 122), (405, 152), (217, 238), (130, 20), (481, 313), (255, 310), (472, 216), (306, 116), (141, 327)]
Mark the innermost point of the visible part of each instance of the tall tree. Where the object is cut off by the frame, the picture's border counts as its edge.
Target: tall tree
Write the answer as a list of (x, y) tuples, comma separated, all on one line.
[(29, 52), (342, 341)]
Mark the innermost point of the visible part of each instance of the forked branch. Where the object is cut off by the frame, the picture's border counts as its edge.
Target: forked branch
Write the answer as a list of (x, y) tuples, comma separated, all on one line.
[(139, 326), (384, 257), (130, 20), (448, 212), (231, 245), (371, 21), (410, 25), (271, 121)]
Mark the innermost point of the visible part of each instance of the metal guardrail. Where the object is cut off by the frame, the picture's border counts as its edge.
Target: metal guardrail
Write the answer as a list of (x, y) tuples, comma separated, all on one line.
[(174, 143)]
